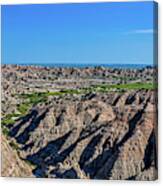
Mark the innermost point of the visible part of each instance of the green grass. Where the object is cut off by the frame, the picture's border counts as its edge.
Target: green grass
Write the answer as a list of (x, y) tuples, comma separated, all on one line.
[(34, 98), (39, 97), (128, 86), (23, 108), (8, 119), (5, 130), (72, 91), (147, 86), (52, 94)]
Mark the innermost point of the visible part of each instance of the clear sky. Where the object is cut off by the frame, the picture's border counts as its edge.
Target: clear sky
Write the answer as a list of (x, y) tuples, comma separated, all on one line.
[(100, 33)]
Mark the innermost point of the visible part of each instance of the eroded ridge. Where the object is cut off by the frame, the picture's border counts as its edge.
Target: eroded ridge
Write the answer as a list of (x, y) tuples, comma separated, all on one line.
[(104, 129)]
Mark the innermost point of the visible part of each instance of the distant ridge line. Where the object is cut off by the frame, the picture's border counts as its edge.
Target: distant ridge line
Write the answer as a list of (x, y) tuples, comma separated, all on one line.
[(79, 65)]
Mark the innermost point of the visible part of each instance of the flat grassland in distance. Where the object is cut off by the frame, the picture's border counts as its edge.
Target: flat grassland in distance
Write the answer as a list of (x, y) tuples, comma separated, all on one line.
[(90, 122)]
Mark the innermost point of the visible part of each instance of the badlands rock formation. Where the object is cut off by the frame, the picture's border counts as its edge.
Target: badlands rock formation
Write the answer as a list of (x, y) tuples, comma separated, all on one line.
[(99, 133)]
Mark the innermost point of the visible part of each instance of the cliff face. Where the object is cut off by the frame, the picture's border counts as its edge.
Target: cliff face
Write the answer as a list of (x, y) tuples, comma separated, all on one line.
[(94, 134)]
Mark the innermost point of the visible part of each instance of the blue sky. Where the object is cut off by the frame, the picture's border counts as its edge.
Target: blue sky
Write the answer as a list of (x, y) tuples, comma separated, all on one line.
[(99, 33)]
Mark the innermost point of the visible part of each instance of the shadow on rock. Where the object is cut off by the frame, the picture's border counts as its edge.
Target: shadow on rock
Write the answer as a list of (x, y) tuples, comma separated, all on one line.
[(31, 116), (24, 136)]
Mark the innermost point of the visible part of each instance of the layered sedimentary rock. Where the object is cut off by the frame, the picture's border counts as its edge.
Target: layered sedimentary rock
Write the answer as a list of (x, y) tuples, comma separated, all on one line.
[(95, 135)]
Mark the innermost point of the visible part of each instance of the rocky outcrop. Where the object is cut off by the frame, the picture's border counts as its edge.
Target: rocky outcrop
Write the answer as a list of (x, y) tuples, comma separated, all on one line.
[(107, 134), (97, 138), (12, 164)]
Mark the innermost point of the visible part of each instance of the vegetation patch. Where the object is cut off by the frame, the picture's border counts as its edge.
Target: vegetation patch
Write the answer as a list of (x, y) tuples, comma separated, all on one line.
[(23, 108), (129, 86), (39, 97), (5, 130), (8, 119), (137, 86), (34, 98)]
